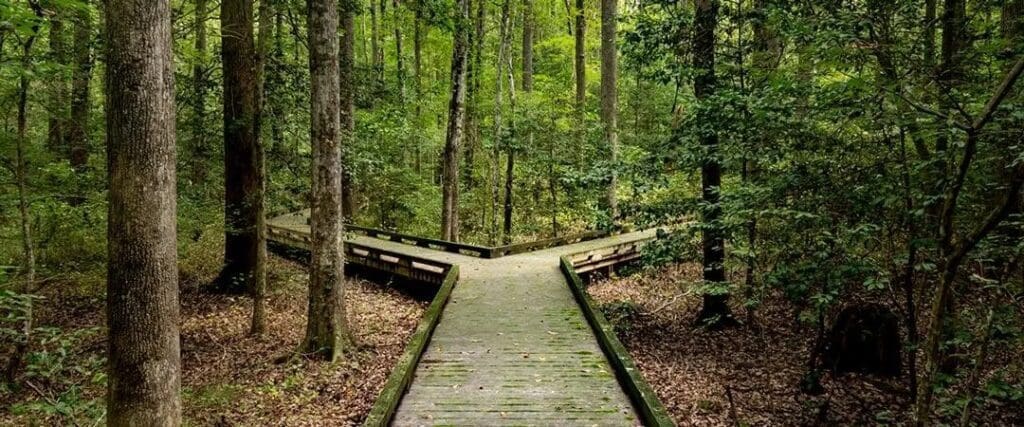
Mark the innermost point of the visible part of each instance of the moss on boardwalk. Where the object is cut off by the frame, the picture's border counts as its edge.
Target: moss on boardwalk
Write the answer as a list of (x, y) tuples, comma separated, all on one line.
[(512, 347)]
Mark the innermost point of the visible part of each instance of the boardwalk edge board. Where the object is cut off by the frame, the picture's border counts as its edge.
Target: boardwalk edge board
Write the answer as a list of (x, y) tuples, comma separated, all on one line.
[(401, 376), (644, 399)]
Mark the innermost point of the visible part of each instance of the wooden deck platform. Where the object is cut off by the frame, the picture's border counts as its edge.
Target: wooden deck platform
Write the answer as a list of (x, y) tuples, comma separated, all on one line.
[(513, 346)]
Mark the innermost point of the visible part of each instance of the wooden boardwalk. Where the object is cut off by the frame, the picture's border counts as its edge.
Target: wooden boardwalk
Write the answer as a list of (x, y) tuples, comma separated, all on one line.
[(512, 346)]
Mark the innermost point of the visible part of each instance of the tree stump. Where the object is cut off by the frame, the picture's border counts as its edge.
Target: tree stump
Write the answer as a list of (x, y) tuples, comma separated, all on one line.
[(864, 339)]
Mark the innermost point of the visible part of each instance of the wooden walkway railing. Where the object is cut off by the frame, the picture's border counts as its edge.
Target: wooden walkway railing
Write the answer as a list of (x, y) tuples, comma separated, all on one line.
[(402, 265), (478, 251)]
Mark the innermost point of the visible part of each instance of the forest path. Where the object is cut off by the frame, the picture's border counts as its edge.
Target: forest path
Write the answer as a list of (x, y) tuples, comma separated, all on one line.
[(513, 346)]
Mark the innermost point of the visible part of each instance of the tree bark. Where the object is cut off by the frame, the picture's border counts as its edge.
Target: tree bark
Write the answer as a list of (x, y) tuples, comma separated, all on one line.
[(78, 126), (715, 311), (347, 94), (456, 123), (259, 284), (610, 98), (142, 275), (327, 334), (245, 240)]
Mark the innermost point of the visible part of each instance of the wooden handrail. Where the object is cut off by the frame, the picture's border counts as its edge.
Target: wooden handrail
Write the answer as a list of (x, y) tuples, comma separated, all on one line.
[(404, 265)]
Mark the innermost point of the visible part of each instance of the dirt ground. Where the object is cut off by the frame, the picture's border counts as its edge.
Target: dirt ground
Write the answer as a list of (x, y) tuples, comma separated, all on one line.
[(748, 375), (228, 376)]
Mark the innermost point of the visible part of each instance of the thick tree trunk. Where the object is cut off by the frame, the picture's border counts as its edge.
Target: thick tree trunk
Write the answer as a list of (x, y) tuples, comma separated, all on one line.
[(245, 240), (610, 97), (199, 85), (327, 333), (715, 311), (347, 94), (142, 276), (456, 124), (78, 135)]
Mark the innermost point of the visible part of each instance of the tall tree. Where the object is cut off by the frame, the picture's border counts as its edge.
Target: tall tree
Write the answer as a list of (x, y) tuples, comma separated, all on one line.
[(142, 275), (396, 14), (529, 24), (504, 39), (327, 333), (28, 261), (376, 48), (81, 75), (55, 140), (199, 86), (715, 310), (259, 282), (417, 70), (1012, 24), (456, 125), (581, 71), (245, 242), (347, 94), (610, 97)]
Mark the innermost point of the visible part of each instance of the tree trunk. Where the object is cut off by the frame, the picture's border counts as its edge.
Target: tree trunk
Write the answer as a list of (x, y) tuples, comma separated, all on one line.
[(610, 98), (715, 311), (28, 262), (930, 14), (954, 18), (327, 333), (528, 29), (510, 154), (243, 177), (417, 41), (499, 126), (581, 76), (346, 76), (199, 84), (142, 281), (259, 285), (456, 122), (78, 135), (1012, 25), (55, 140), (399, 52), (378, 52)]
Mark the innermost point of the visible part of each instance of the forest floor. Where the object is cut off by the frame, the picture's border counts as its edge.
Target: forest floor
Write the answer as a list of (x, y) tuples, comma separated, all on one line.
[(228, 376), (748, 375)]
